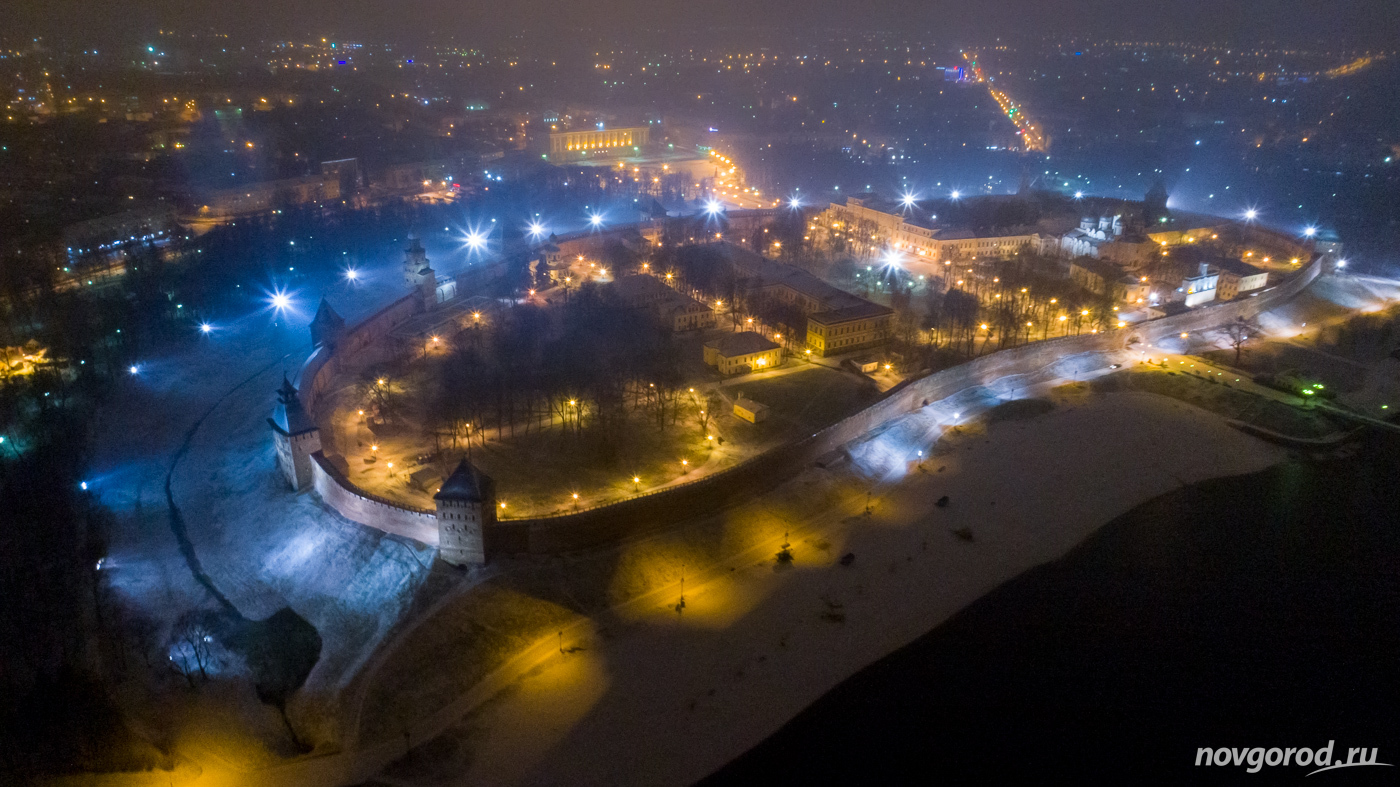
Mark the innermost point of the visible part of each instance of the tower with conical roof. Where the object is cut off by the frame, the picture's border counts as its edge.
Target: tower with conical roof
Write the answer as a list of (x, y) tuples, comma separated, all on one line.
[(295, 436), (326, 326), (466, 506)]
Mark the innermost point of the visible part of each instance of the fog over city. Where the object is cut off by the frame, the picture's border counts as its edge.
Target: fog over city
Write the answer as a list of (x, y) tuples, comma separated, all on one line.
[(618, 393)]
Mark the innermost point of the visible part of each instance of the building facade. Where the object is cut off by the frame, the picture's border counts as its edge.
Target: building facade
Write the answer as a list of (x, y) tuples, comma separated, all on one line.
[(676, 310), (600, 139), (860, 327), (737, 353)]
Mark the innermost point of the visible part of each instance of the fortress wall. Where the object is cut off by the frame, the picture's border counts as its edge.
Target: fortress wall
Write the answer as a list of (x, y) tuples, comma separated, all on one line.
[(357, 505), (665, 507), (324, 364)]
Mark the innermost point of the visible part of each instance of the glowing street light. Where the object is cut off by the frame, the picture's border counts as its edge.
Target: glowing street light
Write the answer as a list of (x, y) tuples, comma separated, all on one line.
[(712, 207), (536, 229), (476, 240), (1251, 214), (205, 327), (1309, 231), (794, 203), (280, 301), (351, 274), (596, 219), (1079, 195), (956, 194), (134, 369), (908, 199)]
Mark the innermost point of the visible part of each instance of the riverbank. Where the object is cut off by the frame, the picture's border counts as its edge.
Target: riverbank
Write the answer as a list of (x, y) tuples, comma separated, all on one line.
[(1258, 610), (660, 696)]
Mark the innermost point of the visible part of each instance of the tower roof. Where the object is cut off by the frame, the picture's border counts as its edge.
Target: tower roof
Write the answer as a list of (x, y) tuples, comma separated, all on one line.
[(326, 315), (463, 485), (288, 415)]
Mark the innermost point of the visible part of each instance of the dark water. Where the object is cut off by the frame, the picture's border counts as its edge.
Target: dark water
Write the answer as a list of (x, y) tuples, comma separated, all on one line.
[(1262, 610)]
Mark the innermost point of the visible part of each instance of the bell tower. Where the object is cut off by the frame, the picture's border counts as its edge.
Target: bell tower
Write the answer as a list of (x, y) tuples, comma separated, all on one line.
[(416, 270)]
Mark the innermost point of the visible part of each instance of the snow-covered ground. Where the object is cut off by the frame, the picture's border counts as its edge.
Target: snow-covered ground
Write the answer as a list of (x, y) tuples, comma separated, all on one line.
[(263, 546), (653, 696)]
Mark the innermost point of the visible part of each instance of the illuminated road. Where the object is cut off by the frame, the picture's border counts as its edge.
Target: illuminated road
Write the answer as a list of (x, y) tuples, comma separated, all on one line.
[(729, 188), (1032, 136)]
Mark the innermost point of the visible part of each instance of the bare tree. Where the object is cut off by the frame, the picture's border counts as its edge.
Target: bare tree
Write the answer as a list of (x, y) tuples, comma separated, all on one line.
[(191, 649), (1239, 332)]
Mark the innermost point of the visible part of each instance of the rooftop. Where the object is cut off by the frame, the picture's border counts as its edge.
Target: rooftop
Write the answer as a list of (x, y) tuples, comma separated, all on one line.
[(861, 311), (464, 484), (743, 343)]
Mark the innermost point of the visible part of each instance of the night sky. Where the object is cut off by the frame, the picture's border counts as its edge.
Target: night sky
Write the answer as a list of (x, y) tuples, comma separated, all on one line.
[(1312, 22)]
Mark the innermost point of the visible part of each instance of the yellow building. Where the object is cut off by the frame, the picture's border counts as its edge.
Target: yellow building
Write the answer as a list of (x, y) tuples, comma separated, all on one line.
[(737, 353), (568, 141), (849, 329)]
